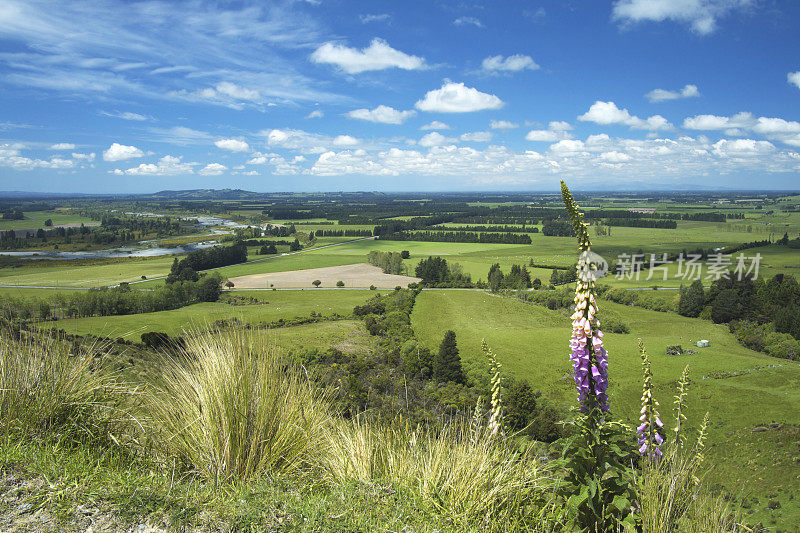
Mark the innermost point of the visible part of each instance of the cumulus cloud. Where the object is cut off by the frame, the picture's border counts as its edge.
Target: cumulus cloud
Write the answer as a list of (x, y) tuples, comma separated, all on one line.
[(233, 145), (84, 157), (457, 98), (63, 146), (345, 140), (715, 122), (794, 78), (10, 156), (166, 166), (382, 114), (514, 63), (543, 135), (435, 125), (121, 152), (477, 136), (556, 130), (662, 95), (615, 157), (435, 138), (503, 125), (701, 15), (607, 113), (377, 56), (212, 169), (468, 21), (317, 113)]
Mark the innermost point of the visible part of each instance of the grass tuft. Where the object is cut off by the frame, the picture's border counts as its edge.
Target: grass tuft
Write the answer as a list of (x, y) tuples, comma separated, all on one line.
[(231, 408), (46, 389)]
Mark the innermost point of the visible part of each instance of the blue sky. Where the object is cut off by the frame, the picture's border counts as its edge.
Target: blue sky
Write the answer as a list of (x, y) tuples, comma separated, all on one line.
[(112, 96)]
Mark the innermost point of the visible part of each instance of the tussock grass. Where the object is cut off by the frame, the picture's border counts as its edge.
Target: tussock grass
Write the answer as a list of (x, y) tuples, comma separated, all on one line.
[(45, 389), (462, 473), (230, 408)]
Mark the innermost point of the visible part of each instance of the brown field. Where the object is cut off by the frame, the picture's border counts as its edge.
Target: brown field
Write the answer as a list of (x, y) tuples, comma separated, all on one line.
[(356, 275)]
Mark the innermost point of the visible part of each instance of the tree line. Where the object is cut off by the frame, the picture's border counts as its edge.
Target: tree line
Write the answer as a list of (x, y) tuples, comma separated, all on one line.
[(764, 315), (187, 268), (120, 300), (641, 223), (436, 272), (458, 236), (342, 233), (389, 262)]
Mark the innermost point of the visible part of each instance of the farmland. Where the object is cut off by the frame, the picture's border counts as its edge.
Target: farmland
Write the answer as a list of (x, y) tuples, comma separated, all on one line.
[(751, 397)]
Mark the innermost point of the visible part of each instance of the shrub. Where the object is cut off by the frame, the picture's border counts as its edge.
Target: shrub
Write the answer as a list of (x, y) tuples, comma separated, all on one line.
[(45, 388), (316, 283), (340, 283), (231, 408)]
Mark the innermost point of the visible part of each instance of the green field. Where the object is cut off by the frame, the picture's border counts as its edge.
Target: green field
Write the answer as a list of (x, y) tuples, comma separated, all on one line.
[(532, 342), (36, 219), (77, 275), (273, 305)]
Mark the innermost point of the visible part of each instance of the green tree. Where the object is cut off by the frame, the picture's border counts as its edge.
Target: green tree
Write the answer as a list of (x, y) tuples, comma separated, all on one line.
[(726, 306), (692, 300), (340, 283), (495, 278), (447, 363), (316, 283)]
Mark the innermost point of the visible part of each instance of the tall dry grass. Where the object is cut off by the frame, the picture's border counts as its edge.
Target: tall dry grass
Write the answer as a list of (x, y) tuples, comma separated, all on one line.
[(463, 473), (45, 389), (231, 408)]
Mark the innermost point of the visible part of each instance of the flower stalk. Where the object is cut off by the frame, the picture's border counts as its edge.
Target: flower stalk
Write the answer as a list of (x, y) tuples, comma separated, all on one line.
[(651, 428), (589, 357)]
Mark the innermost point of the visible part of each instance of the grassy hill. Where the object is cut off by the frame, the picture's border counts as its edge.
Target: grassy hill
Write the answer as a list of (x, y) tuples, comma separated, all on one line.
[(752, 457)]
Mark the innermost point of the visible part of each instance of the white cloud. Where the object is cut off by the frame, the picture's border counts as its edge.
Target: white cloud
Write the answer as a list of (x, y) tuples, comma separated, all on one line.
[(741, 147), (477, 136), (514, 63), (435, 125), (377, 56), (212, 169), (465, 21), (794, 78), (84, 157), (317, 113), (607, 113), (435, 138), (345, 140), (559, 125), (714, 122), (233, 145), (365, 19), (568, 146), (615, 157), (382, 114), (63, 146), (127, 115), (120, 152), (543, 135), (701, 15), (503, 125), (224, 93), (180, 135), (457, 98), (767, 126), (661, 95), (166, 166)]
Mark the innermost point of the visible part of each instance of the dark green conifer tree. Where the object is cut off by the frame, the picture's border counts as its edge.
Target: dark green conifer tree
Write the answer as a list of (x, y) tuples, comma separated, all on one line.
[(447, 363)]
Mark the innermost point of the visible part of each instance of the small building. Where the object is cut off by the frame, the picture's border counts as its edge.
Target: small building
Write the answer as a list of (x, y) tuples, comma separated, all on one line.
[(703, 344)]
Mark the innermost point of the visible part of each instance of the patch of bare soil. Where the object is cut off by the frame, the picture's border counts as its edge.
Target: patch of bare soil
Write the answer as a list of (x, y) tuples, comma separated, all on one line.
[(356, 275)]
